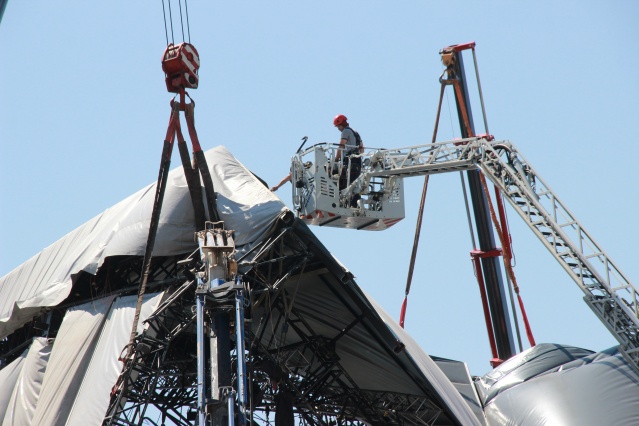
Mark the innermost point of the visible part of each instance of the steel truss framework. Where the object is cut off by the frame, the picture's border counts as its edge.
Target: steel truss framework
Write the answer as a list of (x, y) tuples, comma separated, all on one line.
[(304, 380), (119, 275)]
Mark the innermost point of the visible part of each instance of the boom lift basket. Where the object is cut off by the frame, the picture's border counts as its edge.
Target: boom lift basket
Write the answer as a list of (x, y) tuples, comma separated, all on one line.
[(317, 199)]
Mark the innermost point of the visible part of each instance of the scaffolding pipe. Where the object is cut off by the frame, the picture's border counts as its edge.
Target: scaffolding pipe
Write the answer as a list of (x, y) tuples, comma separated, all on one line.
[(231, 407), (201, 386), (241, 355)]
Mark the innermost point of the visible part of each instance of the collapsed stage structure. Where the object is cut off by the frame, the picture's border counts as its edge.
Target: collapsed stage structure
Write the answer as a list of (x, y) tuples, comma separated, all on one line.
[(318, 348)]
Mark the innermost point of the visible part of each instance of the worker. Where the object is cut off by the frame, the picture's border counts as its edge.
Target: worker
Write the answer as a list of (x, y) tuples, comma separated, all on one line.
[(352, 146), (348, 140)]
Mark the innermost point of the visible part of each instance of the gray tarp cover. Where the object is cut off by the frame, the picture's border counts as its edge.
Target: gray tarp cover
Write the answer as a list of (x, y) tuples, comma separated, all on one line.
[(525, 366), (245, 205), (563, 385)]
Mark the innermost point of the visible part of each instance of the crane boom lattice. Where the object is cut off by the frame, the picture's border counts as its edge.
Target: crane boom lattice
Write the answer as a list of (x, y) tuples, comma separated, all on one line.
[(608, 292)]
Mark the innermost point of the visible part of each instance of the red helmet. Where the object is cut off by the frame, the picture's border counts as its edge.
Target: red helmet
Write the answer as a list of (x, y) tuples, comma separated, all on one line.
[(339, 120)]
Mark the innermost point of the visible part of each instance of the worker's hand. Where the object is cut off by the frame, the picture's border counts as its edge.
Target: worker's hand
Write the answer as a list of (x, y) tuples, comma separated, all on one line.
[(274, 188)]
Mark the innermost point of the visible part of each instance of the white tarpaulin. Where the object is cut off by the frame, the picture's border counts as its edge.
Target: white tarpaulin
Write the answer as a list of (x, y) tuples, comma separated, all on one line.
[(71, 354), (74, 387), (26, 390), (8, 378), (93, 398), (245, 205)]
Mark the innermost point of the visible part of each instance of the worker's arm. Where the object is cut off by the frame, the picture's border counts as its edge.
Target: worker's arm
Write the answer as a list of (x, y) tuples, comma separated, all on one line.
[(342, 145), (282, 182)]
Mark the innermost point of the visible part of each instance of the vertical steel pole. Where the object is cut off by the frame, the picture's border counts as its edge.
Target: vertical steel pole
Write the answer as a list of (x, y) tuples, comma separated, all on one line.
[(201, 290), (241, 359), (201, 385), (231, 408)]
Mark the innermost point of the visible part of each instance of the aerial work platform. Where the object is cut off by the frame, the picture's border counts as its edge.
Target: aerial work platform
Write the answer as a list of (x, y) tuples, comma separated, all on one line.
[(378, 190)]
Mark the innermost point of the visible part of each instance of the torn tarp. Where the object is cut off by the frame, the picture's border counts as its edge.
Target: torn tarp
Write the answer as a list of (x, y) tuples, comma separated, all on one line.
[(244, 204)]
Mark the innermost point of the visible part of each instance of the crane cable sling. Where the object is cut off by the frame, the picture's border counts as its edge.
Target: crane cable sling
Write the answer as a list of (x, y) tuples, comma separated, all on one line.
[(507, 260), (190, 173), (418, 227), (165, 164), (195, 192)]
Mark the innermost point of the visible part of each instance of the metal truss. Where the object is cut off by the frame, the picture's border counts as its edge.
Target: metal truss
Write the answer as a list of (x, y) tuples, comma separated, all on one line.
[(320, 389), (608, 292), (274, 261), (160, 380), (119, 275), (311, 373)]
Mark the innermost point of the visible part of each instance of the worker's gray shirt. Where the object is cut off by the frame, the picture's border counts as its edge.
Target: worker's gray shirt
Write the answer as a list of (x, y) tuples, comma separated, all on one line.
[(349, 135)]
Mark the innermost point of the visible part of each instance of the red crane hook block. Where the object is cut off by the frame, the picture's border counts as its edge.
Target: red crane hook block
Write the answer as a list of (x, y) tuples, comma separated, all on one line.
[(180, 64)]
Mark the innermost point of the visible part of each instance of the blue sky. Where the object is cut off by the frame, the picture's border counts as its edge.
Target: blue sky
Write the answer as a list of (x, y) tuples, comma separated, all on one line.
[(84, 112)]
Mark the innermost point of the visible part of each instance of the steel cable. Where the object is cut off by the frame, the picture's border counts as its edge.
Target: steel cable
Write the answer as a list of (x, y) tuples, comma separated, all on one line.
[(420, 216), (171, 22), (188, 27), (166, 31), (181, 21)]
